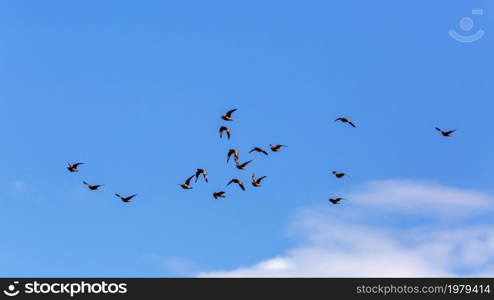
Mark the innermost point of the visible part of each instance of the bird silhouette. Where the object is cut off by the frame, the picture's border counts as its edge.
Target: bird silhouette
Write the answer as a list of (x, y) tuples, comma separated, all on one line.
[(446, 133), (345, 120), (241, 166), (257, 149), (219, 195), (237, 181), (228, 131), (231, 152), (276, 148), (73, 167), (228, 115), (336, 200), (186, 184), (339, 174), (202, 172), (126, 199), (93, 187), (257, 181)]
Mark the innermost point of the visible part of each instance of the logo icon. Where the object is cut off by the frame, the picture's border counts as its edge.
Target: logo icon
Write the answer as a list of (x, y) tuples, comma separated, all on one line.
[(466, 24), (11, 291)]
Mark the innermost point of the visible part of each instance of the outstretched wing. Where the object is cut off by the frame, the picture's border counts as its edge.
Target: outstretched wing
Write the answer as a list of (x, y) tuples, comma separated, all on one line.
[(187, 182), (229, 113)]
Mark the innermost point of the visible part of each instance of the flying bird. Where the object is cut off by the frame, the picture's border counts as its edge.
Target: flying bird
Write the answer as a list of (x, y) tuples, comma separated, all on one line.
[(339, 175), (257, 149), (257, 181), (186, 184), (237, 181), (126, 199), (241, 166), (219, 195), (93, 187), (202, 172), (73, 167), (233, 152), (228, 115), (445, 133), (228, 131), (276, 148), (345, 120), (336, 200)]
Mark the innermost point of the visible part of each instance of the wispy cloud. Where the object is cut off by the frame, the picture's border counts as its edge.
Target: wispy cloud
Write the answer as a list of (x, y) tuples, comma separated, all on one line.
[(335, 246)]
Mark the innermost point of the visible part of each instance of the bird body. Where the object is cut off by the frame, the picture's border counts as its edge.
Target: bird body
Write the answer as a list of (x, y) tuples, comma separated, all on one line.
[(237, 181), (223, 129), (241, 166), (276, 148), (446, 133), (257, 149), (336, 201), (256, 182), (228, 115), (186, 184), (345, 120), (217, 195), (339, 175), (92, 187), (73, 167), (126, 199)]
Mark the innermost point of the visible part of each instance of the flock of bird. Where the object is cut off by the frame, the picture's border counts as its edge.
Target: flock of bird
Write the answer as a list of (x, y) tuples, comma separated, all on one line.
[(255, 181)]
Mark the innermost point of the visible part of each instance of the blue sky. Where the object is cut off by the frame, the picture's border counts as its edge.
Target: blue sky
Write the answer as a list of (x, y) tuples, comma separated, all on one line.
[(135, 90)]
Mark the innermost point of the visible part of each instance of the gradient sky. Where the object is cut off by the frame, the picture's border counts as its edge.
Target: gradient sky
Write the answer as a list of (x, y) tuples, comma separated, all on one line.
[(135, 89)]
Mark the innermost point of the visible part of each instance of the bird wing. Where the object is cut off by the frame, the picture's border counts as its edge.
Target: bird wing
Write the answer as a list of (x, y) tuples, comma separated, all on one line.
[(229, 113), (130, 197), (260, 179), (246, 163), (351, 123), (187, 182), (241, 186)]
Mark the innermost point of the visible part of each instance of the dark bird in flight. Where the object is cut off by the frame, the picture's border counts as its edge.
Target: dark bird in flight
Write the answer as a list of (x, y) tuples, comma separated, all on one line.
[(345, 120), (228, 115), (126, 199), (237, 181), (228, 131), (339, 175), (336, 200), (257, 149), (445, 133), (233, 152), (257, 181), (93, 187), (186, 184), (73, 167), (276, 148), (241, 166), (202, 172), (219, 195)]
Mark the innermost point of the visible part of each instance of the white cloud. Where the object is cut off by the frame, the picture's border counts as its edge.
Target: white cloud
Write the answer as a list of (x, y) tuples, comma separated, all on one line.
[(336, 245), (413, 197)]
